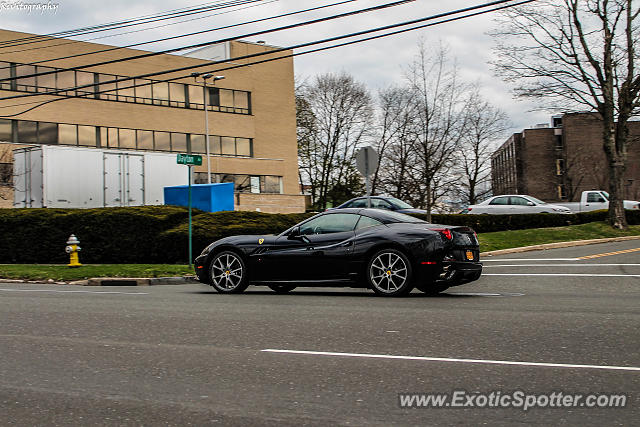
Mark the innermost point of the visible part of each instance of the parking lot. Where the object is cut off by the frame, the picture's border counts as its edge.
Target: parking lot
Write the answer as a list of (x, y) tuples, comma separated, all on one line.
[(561, 320)]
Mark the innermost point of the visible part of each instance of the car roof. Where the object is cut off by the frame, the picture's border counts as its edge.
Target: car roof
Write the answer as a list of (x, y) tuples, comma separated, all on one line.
[(379, 214)]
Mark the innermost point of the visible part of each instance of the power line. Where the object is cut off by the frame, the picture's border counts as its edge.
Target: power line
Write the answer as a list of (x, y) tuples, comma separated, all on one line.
[(197, 45), (121, 24), (191, 34), (496, 3)]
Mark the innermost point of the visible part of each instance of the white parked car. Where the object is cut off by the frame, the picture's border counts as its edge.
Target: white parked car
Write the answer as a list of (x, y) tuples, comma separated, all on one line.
[(597, 199), (510, 204)]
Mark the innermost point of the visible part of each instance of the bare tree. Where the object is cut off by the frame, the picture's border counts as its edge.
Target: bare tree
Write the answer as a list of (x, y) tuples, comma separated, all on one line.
[(576, 55), (394, 141), (485, 124), (334, 116), (438, 94)]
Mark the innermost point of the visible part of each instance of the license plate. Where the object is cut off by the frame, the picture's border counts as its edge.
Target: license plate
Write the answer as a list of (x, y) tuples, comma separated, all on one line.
[(470, 255)]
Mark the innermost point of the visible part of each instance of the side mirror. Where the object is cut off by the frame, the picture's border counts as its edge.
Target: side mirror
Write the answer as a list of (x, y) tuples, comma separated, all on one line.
[(294, 234), (530, 204)]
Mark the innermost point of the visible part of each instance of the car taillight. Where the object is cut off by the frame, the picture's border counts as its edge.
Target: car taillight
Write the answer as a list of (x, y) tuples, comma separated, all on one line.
[(469, 209), (445, 232)]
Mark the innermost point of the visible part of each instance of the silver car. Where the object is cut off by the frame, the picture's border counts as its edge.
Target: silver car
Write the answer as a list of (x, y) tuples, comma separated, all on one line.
[(510, 204)]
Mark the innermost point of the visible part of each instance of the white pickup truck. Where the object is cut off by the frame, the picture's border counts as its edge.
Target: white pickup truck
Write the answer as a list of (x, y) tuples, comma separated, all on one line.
[(594, 200)]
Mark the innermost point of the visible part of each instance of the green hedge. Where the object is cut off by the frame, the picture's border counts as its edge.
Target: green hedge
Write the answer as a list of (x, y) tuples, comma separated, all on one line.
[(158, 234), (489, 223)]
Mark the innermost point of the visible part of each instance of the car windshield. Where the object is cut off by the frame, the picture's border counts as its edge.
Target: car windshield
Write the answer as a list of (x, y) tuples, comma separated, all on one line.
[(537, 201), (390, 216), (399, 203), (605, 194)]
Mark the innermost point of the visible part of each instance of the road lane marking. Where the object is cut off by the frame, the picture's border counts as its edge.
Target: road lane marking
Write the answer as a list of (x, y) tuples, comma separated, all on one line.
[(74, 292), (529, 259), (454, 360), (624, 251), (483, 294), (560, 265), (562, 274)]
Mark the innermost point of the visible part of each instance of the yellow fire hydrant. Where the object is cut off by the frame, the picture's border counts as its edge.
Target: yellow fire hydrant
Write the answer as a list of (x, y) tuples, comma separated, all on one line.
[(72, 249)]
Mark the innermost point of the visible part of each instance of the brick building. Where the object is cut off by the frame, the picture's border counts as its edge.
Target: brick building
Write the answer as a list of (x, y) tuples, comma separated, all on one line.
[(558, 162), (252, 122)]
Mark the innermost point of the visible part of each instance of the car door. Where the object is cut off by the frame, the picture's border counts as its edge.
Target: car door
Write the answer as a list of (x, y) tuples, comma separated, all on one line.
[(520, 205), (498, 206), (595, 201), (318, 250)]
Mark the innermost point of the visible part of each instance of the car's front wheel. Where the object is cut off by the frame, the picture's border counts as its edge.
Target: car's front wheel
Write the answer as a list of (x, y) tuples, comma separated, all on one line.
[(389, 273), (227, 273), (282, 289)]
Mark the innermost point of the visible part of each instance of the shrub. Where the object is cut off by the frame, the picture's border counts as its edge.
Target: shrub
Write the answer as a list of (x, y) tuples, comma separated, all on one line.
[(158, 234)]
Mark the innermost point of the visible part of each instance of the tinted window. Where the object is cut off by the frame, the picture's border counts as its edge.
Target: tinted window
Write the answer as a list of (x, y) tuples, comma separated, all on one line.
[(500, 201), (365, 222), (594, 198), (358, 203), (381, 204), (521, 201), (330, 223)]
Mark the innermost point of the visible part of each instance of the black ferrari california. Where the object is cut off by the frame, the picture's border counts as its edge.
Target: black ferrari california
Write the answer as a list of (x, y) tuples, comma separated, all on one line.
[(389, 252)]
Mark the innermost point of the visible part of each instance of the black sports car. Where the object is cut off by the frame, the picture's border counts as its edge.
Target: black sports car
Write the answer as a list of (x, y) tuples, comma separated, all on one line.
[(387, 251)]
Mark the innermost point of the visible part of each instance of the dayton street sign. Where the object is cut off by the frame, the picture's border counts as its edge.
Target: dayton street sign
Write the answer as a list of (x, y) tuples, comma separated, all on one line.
[(189, 159)]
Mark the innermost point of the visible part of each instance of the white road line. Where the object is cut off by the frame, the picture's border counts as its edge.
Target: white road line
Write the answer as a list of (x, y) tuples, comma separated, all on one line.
[(559, 265), (454, 360), (74, 292), (561, 274), (528, 259)]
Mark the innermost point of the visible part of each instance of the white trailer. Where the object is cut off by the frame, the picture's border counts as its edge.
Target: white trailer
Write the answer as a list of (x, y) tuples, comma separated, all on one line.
[(71, 177)]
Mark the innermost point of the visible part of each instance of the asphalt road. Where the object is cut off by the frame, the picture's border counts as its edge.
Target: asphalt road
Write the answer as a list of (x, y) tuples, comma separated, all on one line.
[(538, 322)]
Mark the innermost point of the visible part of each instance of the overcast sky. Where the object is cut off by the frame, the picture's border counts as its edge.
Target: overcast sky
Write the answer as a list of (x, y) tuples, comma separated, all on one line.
[(377, 63)]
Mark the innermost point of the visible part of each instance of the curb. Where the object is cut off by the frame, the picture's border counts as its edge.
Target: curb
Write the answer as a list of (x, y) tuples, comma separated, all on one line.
[(557, 245), (135, 281)]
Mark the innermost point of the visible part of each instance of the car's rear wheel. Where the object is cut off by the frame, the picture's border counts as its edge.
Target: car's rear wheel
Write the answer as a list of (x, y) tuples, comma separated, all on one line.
[(227, 273), (282, 289), (389, 273)]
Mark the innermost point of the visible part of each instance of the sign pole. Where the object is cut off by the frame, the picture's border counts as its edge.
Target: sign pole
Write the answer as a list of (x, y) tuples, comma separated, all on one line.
[(190, 233), (190, 160)]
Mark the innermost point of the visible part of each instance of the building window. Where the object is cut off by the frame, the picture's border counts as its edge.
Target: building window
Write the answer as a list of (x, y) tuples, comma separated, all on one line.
[(87, 136), (558, 142), (162, 141), (27, 132), (67, 134), (6, 133), (5, 73), (245, 183), (142, 91), (559, 166), (144, 139), (6, 173), (562, 195)]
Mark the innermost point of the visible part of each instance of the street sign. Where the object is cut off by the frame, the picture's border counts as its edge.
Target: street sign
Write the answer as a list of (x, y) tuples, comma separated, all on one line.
[(367, 161), (189, 159)]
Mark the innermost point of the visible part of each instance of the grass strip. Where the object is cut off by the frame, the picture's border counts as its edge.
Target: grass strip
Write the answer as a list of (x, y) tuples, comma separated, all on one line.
[(536, 236), (63, 273)]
